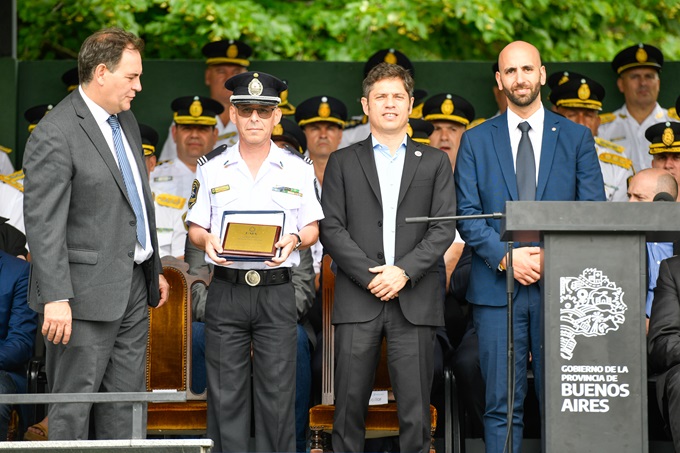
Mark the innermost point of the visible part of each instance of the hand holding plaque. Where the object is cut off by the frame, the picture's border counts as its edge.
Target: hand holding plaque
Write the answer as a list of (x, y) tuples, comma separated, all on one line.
[(251, 235)]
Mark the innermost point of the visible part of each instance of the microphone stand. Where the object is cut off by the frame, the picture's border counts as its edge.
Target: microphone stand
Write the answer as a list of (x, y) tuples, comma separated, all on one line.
[(510, 288)]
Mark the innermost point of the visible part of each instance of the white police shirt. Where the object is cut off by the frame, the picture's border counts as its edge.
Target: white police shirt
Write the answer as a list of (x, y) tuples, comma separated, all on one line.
[(616, 169), (173, 177), (170, 227), (624, 130), (284, 182)]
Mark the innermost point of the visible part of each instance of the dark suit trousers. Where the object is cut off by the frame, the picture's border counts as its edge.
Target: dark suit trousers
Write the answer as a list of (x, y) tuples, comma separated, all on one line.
[(410, 351), (236, 316), (669, 389), (100, 357)]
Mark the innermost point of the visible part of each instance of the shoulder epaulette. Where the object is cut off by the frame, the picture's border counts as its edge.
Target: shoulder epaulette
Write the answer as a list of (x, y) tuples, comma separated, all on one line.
[(4, 149), (215, 152), (607, 118), (610, 145), (673, 113), (17, 175), (167, 161), (298, 155), (476, 122), (615, 159), (10, 182), (171, 201)]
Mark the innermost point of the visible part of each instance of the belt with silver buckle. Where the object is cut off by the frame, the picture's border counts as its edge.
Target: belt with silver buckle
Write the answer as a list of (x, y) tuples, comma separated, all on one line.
[(253, 277)]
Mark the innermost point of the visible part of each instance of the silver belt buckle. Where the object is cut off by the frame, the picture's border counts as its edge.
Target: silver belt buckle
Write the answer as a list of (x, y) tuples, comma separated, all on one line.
[(253, 278)]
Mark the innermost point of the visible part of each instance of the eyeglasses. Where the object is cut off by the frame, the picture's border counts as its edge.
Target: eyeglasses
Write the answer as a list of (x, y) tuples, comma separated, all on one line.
[(246, 111)]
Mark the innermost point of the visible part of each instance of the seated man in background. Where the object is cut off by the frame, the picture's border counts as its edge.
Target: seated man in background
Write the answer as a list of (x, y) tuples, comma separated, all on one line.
[(18, 324)]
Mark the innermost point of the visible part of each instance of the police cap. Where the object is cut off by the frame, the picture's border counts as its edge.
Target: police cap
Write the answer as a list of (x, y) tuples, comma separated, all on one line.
[(149, 139), (664, 137), (255, 88), (639, 55), (231, 51), (197, 110), (420, 130), (448, 107), (289, 132), (321, 108), (581, 92), (391, 56), (34, 114)]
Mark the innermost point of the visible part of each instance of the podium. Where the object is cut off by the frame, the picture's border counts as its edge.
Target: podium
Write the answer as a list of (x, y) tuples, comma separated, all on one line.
[(594, 342)]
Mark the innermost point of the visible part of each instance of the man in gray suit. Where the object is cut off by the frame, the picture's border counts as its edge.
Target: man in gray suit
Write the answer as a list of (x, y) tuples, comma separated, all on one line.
[(387, 284), (90, 222)]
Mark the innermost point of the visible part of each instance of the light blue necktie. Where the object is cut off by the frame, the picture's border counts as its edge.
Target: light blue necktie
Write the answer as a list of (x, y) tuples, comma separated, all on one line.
[(525, 165), (128, 179)]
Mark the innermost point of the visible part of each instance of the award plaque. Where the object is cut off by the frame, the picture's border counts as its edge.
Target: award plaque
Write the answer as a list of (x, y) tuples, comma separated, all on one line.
[(251, 235), (249, 240)]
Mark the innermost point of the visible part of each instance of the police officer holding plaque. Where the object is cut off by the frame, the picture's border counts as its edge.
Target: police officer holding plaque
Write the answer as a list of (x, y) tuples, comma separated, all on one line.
[(252, 207)]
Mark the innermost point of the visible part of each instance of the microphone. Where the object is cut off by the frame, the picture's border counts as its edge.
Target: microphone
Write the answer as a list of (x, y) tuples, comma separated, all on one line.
[(663, 196)]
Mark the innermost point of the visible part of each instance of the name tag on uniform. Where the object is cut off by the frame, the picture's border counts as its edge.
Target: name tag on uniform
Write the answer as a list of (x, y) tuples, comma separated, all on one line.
[(162, 179), (219, 189)]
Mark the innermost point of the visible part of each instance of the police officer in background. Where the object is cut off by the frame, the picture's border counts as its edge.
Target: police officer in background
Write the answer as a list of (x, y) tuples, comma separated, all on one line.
[(224, 59), (249, 301), (665, 156), (194, 133), (579, 98), (638, 68)]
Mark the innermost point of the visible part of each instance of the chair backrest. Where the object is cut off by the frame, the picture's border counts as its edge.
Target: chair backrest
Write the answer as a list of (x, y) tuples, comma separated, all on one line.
[(168, 363), (382, 377)]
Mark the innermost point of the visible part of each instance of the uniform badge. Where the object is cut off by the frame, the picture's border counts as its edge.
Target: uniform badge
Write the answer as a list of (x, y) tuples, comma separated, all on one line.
[(278, 130), (232, 51), (641, 54), (219, 189), (583, 90), (668, 136), (447, 106), (324, 109), (255, 87), (195, 109), (184, 220), (390, 57), (564, 79), (284, 96), (194, 193)]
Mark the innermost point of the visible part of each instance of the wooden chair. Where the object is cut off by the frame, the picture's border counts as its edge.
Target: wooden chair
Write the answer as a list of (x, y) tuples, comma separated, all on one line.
[(381, 420), (168, 363)]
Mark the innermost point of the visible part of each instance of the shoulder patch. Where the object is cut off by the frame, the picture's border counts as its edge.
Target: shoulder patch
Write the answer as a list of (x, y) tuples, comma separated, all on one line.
[(214, 153), (673, 113), (607, 117), (171, 201), (299, 155), (5, 149), (10, 182), (615, 159), (476, 122), (610, 145)]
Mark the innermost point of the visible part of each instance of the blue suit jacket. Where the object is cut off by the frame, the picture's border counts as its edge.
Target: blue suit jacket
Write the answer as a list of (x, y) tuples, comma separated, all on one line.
[(485, 180), (17, 321)]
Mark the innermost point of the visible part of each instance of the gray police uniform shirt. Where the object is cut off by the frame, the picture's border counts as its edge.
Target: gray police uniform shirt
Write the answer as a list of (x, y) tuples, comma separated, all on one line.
[(226, 135), (285, 182), (622, 129), (616, 169)]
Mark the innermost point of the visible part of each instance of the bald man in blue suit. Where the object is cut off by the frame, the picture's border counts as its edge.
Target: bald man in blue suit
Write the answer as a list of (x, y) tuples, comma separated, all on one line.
[(567, 169)]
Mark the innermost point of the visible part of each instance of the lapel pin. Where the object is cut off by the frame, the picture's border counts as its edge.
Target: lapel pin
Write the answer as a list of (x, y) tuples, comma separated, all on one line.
[(554, 129), (418, 153)]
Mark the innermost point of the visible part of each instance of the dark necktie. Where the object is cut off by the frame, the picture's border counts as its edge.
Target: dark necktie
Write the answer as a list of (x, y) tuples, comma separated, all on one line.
[(128, 179), (525, 165)]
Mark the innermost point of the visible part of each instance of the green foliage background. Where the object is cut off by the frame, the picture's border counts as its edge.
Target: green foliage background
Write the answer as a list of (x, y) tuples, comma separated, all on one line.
[(332, 30)]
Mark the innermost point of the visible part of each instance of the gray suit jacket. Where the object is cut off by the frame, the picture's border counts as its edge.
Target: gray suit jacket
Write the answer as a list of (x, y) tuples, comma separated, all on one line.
[(79, 221), (351, 231)]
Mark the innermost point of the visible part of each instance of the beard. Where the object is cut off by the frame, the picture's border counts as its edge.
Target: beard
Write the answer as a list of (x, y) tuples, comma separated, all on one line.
[(523, 101)]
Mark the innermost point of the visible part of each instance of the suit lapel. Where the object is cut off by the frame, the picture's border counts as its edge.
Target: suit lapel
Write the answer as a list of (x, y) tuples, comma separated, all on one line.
[(364, 151), (92, 130), (411, 161), (501, 140), (551, 129)]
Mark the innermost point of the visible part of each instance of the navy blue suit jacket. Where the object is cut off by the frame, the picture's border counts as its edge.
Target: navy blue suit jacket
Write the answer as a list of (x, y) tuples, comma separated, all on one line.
[(485, 180), (17, 321)]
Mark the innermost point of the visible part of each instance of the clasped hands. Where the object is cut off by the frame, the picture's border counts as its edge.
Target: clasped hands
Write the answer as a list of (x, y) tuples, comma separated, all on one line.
[(526, 264), (387, 283)]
